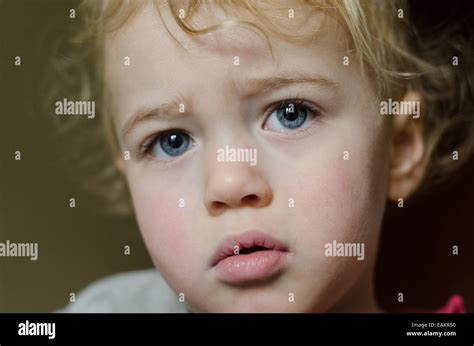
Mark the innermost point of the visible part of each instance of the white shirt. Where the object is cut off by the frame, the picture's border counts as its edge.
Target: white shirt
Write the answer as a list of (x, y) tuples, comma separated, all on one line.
[(134, 291)]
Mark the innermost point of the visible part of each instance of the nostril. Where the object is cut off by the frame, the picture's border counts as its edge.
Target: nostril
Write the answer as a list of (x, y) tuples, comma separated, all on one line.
[(217, 205), (250, 199)]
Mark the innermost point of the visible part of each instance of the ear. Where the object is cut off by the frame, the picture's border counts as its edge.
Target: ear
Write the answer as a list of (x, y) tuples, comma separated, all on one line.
[(407, 151), (120, 164)]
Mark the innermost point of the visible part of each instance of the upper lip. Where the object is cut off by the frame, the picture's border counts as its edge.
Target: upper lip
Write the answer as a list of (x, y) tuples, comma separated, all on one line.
[(246, 240)]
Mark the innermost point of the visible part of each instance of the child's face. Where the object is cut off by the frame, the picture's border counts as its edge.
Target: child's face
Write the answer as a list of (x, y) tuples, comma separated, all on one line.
[(315, 178)]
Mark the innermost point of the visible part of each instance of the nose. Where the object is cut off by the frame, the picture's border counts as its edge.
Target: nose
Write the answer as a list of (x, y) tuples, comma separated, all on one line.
[(233, 185)]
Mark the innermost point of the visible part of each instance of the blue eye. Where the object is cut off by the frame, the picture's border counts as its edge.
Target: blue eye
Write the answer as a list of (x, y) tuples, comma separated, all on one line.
[(168, 144), (290, 115)]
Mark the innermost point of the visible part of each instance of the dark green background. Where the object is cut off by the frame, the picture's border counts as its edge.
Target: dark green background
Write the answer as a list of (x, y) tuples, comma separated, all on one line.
[(77, 246)]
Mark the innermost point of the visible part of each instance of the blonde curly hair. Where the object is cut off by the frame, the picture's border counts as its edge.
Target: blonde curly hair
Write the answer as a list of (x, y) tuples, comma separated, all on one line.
[(388, 47)]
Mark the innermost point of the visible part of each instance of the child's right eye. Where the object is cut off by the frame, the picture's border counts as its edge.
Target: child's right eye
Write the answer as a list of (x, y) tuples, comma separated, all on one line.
[(167, 144)]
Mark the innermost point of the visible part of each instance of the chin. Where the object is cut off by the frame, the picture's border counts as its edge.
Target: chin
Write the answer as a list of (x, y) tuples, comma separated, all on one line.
[(257, 303)]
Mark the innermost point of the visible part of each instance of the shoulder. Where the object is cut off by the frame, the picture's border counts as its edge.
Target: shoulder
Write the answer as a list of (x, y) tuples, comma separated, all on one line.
[(136, 291)]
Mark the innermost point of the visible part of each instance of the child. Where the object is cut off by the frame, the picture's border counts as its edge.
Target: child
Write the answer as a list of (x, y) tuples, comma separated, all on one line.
[(260, 142)]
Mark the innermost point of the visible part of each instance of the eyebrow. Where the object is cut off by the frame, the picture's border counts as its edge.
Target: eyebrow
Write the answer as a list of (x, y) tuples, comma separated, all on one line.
[(167, 110), (264, 86), (248, 87)]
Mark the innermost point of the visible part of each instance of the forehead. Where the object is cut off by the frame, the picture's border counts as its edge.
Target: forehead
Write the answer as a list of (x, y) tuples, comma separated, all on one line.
[(227, 54), (291, 17)]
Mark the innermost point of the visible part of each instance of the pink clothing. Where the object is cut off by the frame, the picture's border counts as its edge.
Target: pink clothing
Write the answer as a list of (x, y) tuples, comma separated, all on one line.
[(455, 305)]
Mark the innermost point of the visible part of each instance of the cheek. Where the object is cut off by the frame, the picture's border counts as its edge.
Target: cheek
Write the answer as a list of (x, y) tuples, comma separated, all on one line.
[(162, 223), (340, 204), (341, 200), (335, 200)]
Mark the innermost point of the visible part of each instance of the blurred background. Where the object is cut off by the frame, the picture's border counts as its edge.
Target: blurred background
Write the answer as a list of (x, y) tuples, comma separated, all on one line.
[(79, 245), (76, 245)]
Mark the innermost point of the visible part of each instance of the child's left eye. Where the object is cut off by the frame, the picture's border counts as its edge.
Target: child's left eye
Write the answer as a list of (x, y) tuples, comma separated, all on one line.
[(290, 115)]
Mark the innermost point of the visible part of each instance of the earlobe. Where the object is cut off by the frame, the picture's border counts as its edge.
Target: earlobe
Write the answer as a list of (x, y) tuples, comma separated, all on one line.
[(407, 162), (119, 164)]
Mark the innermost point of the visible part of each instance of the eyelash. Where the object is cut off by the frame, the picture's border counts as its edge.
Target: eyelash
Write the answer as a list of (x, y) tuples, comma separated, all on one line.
[(148, 143), (296, 101), (317, 112)]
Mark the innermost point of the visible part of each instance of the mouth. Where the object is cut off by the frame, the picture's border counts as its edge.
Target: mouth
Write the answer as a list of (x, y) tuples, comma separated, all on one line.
[(247, 257)]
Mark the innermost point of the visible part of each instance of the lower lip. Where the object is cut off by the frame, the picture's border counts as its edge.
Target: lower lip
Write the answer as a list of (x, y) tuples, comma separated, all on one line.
[(250, 267)]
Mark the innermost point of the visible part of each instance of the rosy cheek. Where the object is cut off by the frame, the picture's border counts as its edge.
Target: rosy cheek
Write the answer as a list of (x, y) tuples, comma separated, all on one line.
[(163, 224), (336, 204)]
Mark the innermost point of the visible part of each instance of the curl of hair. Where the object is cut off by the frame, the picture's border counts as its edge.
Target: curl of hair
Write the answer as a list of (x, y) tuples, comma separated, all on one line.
[(389, 49)]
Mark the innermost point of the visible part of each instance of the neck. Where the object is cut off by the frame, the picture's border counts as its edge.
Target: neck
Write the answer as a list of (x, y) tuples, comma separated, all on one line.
[(361, 297)]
